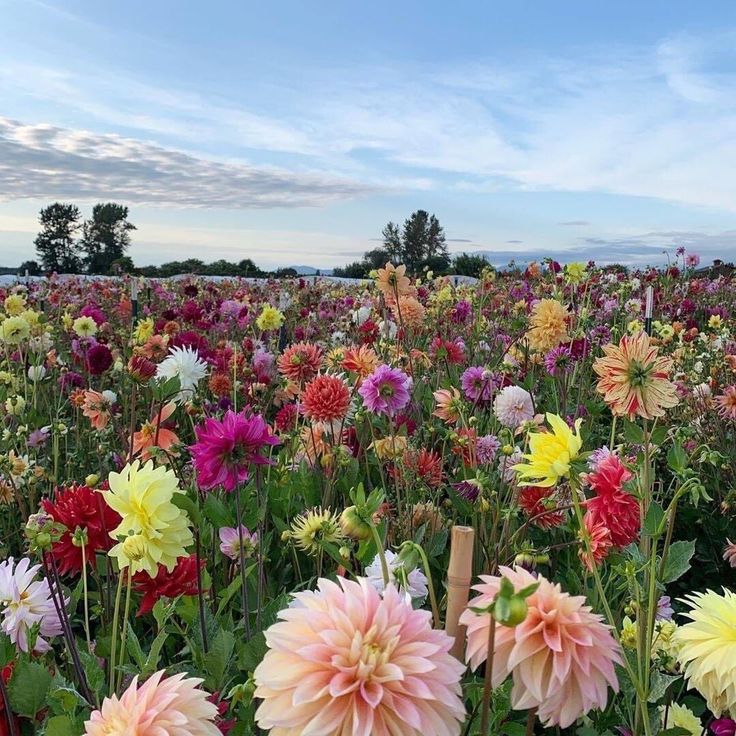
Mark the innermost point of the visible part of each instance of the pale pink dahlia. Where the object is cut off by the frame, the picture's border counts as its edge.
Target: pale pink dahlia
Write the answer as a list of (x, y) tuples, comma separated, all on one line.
[(561, 657), (174, 706), (347, 660)]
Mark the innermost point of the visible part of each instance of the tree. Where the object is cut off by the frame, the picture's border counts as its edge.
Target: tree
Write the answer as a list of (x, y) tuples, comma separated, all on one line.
[(469, 264), (421, 242), (106, 236), (56, 244)]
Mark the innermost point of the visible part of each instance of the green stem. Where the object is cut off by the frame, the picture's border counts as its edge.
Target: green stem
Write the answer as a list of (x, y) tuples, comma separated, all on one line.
[(113, 645), (380, 551), (430, 586), (125, 628)]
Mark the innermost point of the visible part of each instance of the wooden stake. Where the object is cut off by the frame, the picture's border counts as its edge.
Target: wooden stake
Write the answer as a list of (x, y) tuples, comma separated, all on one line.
[(459, 575)]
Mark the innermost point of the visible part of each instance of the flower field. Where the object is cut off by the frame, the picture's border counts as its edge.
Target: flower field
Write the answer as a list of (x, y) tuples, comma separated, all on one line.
[(395, 507)]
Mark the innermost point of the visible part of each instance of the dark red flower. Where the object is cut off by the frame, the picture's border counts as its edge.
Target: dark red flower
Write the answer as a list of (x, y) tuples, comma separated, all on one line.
[(182, 580), (532, 498), (99, 359), (80, 507)]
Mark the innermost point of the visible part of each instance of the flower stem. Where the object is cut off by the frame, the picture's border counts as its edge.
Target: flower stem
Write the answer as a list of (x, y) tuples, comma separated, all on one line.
[(125, 628), (380, 552), (488, 680), (243, 578), (113, 644)]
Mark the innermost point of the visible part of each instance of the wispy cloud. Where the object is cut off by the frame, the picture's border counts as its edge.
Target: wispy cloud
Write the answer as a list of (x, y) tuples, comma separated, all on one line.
[(47, 162)]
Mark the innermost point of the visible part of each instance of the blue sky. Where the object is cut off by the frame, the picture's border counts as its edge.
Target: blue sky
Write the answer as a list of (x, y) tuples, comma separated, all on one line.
[(291, 132)]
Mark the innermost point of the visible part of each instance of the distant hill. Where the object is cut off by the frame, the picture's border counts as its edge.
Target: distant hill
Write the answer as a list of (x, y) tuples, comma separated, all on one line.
[(310, 271)]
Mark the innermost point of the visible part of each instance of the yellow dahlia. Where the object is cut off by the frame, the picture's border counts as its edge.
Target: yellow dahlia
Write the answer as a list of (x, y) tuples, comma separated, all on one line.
[(634, 379), (153, 531), (550, 454), (310, 530), (708, 648), (547, 325)]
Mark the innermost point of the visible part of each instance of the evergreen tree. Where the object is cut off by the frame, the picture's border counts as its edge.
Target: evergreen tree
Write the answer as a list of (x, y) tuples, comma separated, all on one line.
[(106, 236), (420, 242), (56, 244)]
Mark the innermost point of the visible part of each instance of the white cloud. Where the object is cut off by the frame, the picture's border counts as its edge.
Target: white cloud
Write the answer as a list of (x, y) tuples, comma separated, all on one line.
[(48, 162)]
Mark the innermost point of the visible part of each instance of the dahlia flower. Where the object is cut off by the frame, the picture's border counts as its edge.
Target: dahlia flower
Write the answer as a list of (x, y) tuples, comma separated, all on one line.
[(182, 580), (547, 325), (153, 434), (708, 648), (152, 531), (634, 379), (360, 360), (300, 362), (226, 448), (26, 602), (416, 580), (386, 390), (79, 507), (680, 716), (612, 506), (533, 500), (449, 405), (513, 406), (726, 403), (408, 312), (185, 364), (174, 706), (313, 528), (729, 553), (326, 399), (477, 383), (550, 453), (230, 542), (346, 660), (561, 657), (392, 281), (97, 407)]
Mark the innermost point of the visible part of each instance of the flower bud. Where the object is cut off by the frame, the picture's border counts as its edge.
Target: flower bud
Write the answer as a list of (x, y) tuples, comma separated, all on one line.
[(353, 525)]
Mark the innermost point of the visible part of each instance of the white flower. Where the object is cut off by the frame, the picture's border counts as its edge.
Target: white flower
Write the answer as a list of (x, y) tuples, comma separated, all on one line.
[(187, 365), (26, 602), (506, 464), (417, 579), (110, 396), (361, 314), (513, 406), (388, 329), (36, 372)]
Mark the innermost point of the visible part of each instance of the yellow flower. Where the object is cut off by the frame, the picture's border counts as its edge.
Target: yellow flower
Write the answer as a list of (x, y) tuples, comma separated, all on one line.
[(66, 321), (319, 525), (575, 272), (715, 322), (629, 633), (143, 330), (85, 326), (15, 304), (634, 326), (15, 330), (33, 318), (547, 325), (708, 648), (270, 318), (390, 448), (550, 453), (153, 530), (15, 405), (680, 716)]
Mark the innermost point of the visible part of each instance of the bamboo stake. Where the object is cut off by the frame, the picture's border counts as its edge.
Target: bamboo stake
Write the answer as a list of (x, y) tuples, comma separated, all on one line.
[(459, 575)]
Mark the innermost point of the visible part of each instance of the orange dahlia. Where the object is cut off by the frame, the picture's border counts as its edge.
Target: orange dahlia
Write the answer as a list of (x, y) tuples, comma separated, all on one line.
[(392, 281), (326, 399), (301, 362), (547, 325), (360, 360), (408, 312), (634, 379)]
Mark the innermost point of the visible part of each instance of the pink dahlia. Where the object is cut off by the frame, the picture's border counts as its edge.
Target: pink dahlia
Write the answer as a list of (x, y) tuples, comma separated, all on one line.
[(513, 406), (225, 449), (561, 657), (611, 505), (346, 660), (173, 705), (726, 403), (386, 390)]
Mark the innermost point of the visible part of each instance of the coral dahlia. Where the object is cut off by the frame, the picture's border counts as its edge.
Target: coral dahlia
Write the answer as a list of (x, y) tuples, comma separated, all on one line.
[(326, 399), (561, 657), (345, 659)]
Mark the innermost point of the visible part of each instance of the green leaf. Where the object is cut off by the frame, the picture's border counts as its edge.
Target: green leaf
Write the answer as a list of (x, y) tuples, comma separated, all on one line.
[(218, 657), (28, 688), (151, 663), (678, 560), (216, 511), (252, 652), (95, 673), (677, 459), (62, 726), (659, 684), (654, 522), (675, 731), (633, 433), (134, 647)]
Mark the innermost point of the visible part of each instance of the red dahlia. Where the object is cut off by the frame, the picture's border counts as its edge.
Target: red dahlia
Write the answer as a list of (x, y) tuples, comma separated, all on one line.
[(612, 506), (181, 581), (326, 399), (532, 500), (80, 507)]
